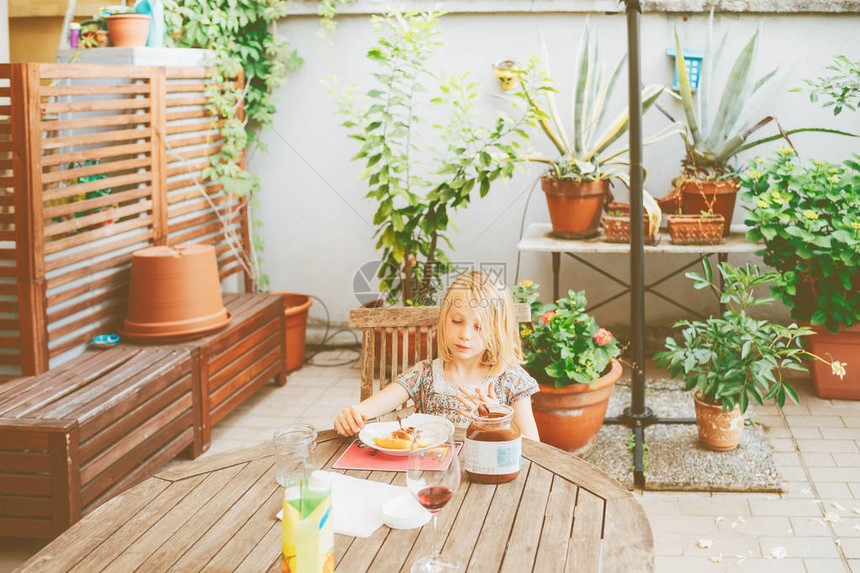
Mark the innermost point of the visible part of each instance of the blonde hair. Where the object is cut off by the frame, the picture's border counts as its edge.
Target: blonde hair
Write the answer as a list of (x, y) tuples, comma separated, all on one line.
[(494, 305)]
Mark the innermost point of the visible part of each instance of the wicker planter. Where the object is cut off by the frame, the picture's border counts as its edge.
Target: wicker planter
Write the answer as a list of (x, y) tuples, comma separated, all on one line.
[(616, 224), (696, 229)]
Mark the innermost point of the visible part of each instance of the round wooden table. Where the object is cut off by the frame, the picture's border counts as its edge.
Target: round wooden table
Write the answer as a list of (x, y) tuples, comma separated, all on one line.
[(218, 514)]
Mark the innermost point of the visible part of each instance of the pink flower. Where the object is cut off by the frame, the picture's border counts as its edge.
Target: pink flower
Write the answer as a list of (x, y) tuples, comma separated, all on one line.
[(547, 316), (602, 337)]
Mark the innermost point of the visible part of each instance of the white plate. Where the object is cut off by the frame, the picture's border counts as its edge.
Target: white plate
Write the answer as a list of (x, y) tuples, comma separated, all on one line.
[(384, 429), (404, 512)]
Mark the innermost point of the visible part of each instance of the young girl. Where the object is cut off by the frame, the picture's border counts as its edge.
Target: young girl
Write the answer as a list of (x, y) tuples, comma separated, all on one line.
[(479, 361)]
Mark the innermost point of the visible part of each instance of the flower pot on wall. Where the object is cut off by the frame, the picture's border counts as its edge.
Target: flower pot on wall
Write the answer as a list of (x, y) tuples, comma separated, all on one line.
[(843, 346), (175, 292), (717, 197), (570, 417), (718, 430), (128, 30), (295, 327), (575, 207)]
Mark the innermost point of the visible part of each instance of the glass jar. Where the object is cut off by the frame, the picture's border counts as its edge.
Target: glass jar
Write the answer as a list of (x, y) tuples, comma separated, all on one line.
[(294, 453), (493, 445)]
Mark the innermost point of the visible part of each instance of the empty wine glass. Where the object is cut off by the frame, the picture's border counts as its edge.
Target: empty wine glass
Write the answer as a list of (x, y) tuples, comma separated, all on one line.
[(433, 475)]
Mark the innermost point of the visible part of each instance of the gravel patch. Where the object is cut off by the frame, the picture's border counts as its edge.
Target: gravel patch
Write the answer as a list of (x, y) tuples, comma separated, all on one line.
[(675, 460)]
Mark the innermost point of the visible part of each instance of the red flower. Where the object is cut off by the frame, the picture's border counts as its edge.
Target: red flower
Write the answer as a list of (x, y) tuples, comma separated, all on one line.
[(547, 316), (602, 337)]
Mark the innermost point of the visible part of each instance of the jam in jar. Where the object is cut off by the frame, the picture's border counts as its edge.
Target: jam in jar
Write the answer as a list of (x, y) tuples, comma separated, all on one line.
[(493, 445)]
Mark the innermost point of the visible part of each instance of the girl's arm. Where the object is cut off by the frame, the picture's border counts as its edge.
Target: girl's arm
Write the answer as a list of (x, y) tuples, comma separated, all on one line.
[(352, 418), (525, 419)]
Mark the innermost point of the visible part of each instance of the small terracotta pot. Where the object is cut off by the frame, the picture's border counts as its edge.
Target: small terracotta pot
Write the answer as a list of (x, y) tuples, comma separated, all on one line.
[(128, 30), (296, 323), (175, 292), (718, 430), (717, 197), (617, 227), (570, 417), (574, 206), (843, 346)]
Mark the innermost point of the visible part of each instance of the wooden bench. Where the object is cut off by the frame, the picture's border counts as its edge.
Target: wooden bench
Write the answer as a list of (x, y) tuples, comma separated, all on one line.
[(239, 359), (75, 436)]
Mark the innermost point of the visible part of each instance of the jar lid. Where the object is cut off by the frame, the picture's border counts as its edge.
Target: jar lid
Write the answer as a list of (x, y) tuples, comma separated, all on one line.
[(403, 512)]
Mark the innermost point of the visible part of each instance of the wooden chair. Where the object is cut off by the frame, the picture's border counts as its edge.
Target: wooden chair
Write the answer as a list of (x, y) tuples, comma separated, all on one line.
[(394, 339)]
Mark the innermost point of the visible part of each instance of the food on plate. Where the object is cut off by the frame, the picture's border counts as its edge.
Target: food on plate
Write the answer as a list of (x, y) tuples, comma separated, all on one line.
[(399, 440)]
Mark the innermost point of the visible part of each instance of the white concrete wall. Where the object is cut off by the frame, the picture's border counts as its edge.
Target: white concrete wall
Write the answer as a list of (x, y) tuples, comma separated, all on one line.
[(316, 223)]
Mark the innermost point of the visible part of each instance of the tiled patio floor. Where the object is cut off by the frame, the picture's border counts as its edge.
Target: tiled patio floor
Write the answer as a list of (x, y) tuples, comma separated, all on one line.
[(813, 528)]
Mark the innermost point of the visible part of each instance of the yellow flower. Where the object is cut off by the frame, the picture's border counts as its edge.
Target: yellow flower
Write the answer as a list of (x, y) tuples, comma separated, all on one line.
[(855, 225), (763, 204), (833, 179), (755, 174), (810, 214), (526, 283), (785, 150), (838, 369), (833, 170), (525, 332), (779, 197)]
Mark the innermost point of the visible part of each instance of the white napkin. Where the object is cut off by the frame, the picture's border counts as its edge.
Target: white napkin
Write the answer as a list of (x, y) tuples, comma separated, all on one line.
[(357, 504)]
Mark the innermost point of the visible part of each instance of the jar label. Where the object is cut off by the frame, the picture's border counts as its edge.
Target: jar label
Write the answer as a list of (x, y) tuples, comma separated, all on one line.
[(493, 458)]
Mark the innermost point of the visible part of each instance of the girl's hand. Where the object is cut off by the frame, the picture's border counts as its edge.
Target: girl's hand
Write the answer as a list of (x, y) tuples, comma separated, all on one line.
[(349, 421), (471, 399)]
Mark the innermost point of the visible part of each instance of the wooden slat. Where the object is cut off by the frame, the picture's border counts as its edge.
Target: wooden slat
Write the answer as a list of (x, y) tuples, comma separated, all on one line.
[(116, 280), (574, 469), (79, 90), (94, 252), (97, 185), (187, 73), (187, 114), (25, 462), (89, 324), (174, 87), (121, 263), (159, 176), (25, 506), (525, 534), (584, 550), (104, 214), (99, 233), (83, 538), (25, 484), (100, 138), (97, 169), (79, 71), (192, 127), (97, 153), (186, 101), (100, 121), (227, 405), (557, 525), (625, 519)]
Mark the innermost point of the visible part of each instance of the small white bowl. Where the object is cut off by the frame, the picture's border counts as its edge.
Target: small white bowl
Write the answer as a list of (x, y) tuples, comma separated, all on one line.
[(403, 512)]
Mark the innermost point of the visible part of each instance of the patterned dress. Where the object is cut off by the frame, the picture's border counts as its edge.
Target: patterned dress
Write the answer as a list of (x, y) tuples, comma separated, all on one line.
[(432, 394)]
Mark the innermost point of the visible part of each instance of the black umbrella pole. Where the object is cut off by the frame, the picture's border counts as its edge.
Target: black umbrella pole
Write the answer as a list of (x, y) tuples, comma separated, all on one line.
[(637, 246)]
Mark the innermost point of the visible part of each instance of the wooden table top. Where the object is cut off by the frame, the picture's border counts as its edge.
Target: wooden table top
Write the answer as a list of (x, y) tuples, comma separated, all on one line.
[(218, 513)]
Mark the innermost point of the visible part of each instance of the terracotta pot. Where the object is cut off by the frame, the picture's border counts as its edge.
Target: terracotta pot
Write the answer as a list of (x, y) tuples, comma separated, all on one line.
[(670, 202), (175, 292), (843, 346), (570, 417), (296, 322), (696, 229), (718, 430), (575, 207), (128, 30), (717, 197)]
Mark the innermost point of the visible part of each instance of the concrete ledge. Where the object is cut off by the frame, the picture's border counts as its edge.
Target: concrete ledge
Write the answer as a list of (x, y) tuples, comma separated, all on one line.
[(363, 7)]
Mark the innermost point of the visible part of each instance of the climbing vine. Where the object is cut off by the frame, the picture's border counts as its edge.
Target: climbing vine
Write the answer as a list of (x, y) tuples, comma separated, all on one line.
[(243, 37)]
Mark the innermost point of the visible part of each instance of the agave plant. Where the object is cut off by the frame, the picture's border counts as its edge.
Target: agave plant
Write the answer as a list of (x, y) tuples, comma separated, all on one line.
[(712, 141), (588, 153)]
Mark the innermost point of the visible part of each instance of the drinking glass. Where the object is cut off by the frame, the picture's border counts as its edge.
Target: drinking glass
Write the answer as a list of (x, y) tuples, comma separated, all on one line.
[(294, 452), (433, 475)]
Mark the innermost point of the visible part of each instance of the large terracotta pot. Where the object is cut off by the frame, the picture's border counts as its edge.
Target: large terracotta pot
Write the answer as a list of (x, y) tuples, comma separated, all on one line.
[(718, 430), (715, 196), (570, 417), (575, 207), (126, 30), (174, 292), (296, 323), (843, 346)]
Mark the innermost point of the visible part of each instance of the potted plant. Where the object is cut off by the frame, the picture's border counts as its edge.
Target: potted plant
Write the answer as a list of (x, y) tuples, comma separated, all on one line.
[(735, 359), (574, 362), (808, 218), (414, 205), (577, 181), (616, 223), (708, 182), (704, 228)]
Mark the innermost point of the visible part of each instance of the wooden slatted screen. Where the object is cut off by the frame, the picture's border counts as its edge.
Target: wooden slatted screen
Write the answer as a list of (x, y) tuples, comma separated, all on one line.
[(111, 161), (10, 353)]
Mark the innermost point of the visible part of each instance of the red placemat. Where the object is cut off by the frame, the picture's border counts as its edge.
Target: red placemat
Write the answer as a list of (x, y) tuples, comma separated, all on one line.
[(361, 457)]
